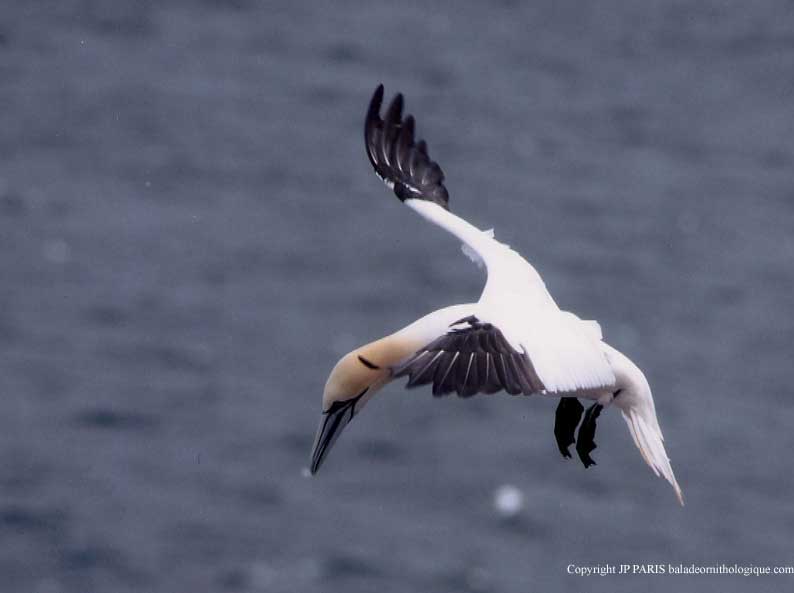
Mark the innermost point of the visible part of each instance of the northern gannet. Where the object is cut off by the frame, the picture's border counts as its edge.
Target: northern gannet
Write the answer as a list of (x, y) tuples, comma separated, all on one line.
[(514, 339)]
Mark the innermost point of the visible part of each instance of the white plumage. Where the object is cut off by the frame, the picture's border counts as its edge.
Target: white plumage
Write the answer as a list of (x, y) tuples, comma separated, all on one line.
[(514, 338), (564, 350), (568, 353)]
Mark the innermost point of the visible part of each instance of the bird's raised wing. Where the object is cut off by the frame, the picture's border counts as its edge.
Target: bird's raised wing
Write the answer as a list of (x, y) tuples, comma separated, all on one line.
[(405, 166), (563, 349), (401, 162)]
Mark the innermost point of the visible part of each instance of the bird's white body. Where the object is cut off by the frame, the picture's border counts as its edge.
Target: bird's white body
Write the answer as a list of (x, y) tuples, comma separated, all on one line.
[(568, 353), (564, 350), (515, 338)]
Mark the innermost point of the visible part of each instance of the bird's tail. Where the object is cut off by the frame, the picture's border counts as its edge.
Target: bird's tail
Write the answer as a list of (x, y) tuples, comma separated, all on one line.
[(650, 442), (635, 402)]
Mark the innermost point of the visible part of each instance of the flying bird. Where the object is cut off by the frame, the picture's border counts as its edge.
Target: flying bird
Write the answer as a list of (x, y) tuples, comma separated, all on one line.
[(514, 339)]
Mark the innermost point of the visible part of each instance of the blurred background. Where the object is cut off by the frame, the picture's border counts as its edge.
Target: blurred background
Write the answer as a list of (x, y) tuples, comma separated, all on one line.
[(191, 236)]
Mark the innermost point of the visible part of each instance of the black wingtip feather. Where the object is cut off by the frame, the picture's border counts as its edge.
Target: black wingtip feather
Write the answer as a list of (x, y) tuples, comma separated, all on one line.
[(402, 163)]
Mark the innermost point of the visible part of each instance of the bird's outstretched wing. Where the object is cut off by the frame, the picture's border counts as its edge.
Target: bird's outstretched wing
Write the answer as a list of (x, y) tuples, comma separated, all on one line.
[(563, 349), (404, 165), (472, 357)]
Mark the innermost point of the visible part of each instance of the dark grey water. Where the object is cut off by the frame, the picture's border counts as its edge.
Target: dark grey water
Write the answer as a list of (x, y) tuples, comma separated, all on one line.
[(190, 236)]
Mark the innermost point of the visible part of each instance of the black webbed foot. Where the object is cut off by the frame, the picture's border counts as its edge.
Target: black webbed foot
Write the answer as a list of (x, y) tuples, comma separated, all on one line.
[(586, 441), (569, 412)]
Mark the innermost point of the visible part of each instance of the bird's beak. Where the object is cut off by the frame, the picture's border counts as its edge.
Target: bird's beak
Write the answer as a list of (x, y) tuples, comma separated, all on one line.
[(332, 423)]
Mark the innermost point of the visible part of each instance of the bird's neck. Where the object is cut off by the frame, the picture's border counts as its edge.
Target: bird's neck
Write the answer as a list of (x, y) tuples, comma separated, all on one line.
[(389, 351), (393, 349)]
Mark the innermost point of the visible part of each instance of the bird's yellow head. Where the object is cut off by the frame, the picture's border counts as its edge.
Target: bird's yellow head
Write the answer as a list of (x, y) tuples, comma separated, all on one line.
[(353, 381)]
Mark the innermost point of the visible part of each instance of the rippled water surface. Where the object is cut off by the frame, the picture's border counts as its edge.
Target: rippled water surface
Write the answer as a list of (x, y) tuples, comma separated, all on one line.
[(190, 236)]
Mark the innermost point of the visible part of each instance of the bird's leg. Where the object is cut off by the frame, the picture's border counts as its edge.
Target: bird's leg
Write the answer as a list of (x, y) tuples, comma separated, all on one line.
[(586, 443), (569, 412)]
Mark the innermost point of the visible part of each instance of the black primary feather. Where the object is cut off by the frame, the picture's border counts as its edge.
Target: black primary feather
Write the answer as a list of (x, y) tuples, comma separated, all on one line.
[(398, 159), (472, 359)]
